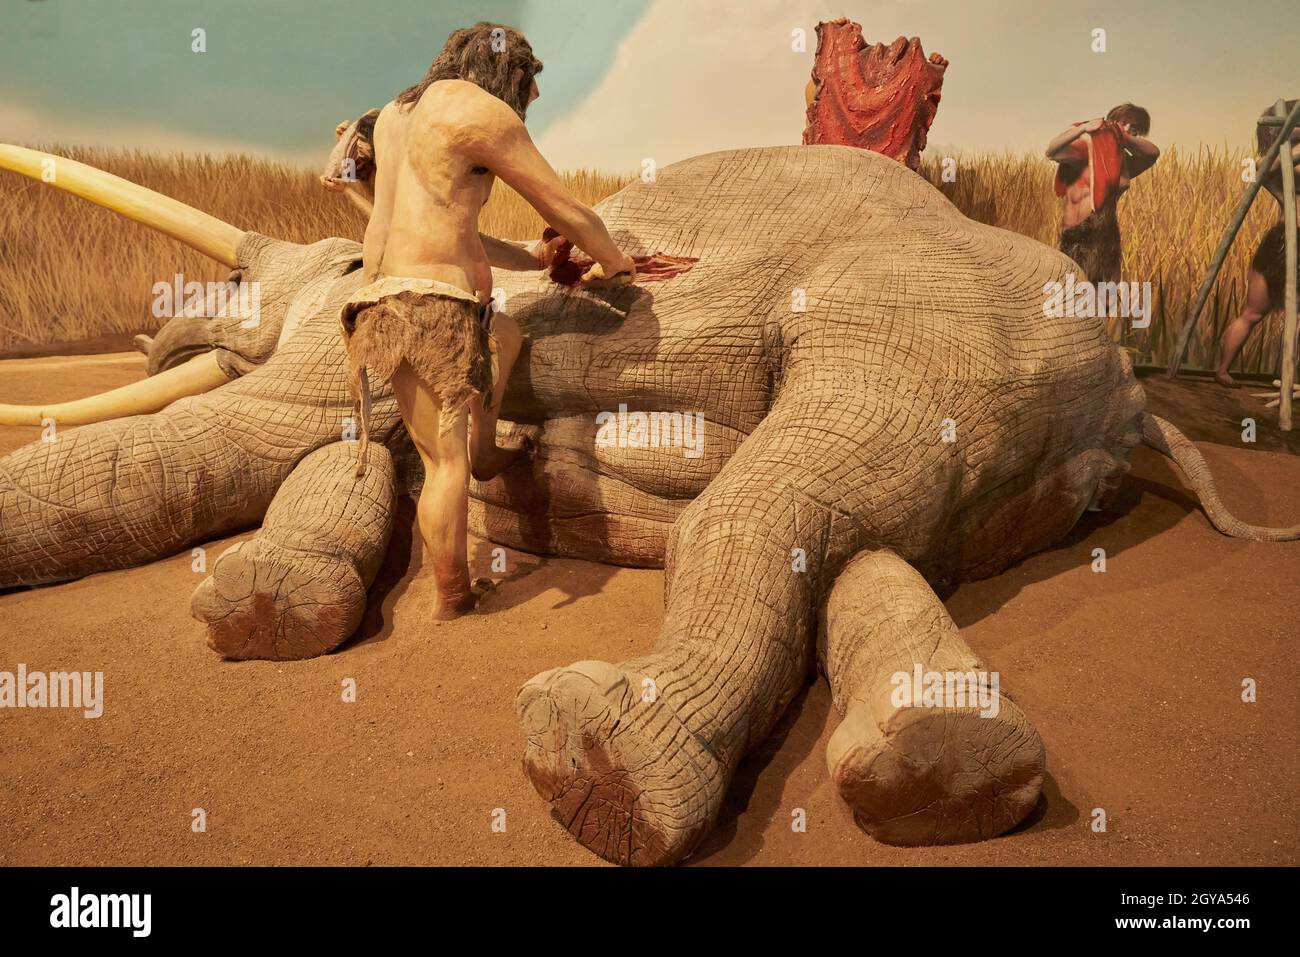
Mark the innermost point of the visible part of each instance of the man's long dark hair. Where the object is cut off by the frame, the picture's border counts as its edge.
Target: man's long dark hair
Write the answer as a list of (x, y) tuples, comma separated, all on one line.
[(488, 55), (1135, 115)]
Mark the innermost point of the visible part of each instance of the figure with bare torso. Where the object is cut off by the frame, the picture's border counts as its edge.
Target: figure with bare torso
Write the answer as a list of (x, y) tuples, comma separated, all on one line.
[(350, 168), (425, 319), (1266, 282), (1098, 159)]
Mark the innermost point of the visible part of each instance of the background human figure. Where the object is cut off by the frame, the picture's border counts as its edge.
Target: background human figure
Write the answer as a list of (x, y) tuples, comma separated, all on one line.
[(1097, 160), (1266, 281)]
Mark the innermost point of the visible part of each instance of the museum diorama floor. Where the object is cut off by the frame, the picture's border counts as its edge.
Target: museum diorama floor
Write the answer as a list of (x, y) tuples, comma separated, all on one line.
[(1133, 677)]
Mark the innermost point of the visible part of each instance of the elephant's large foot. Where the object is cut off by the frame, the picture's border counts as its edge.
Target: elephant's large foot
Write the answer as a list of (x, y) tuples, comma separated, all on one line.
[(930, 751), (266, 602), (936, 775), (299, 588), (622, 773)]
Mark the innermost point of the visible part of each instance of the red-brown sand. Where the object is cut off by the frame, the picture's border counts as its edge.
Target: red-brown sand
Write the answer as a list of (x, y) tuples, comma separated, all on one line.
[(1133, 678)]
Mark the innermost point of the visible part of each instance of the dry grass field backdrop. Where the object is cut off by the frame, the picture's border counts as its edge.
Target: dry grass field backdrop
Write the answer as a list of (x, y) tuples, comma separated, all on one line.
[(71, 271)]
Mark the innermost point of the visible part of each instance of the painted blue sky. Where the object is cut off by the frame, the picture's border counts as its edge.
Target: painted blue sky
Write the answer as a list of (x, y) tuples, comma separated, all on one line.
[(277, 74), (627, 80)]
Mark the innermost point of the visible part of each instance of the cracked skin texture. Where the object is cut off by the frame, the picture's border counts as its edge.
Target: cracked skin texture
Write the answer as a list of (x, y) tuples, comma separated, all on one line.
[(825, 436), (914, 315)]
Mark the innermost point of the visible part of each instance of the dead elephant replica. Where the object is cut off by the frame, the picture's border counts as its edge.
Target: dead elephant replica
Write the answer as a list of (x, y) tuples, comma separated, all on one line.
[(886, 408)]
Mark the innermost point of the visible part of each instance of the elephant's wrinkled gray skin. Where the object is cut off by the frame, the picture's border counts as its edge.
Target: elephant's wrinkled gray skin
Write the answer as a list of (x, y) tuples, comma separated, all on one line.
[(885, 404)]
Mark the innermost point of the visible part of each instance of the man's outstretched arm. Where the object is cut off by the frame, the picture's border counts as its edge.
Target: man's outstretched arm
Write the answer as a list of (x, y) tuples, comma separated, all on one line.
[(358, 199), (517, 254), (501, 143)]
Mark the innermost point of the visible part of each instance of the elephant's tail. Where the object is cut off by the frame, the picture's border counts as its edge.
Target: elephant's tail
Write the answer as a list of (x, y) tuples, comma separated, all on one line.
[(1166, 439)]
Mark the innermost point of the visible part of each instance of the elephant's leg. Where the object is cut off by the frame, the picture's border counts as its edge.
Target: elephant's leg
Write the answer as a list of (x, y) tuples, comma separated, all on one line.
[(487, 459), (917, 770), (635, 758), (129, 491), (580, 498), (298, 589)]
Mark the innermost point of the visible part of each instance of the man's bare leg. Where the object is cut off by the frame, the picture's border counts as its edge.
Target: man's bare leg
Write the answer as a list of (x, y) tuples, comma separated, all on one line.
[(443, 508), (487, 459), (1257, 307)]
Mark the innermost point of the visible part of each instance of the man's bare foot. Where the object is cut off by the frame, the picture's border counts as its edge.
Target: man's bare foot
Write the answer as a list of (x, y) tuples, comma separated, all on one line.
[(1228, 382), (488, 466), (452, 604)]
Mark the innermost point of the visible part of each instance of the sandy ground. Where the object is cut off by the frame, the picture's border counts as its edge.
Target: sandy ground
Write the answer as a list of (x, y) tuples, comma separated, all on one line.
[(1133, 678)]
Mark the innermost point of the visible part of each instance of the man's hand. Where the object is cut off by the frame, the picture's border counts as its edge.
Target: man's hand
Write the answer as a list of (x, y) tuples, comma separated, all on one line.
[(545, 250), (620, 274), (1057, 149)]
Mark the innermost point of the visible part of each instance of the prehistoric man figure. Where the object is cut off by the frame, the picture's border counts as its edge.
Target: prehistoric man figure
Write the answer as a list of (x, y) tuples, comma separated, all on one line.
[(424, 319), (350, 168), (1266, 284), (1097, 161), (874, 97)]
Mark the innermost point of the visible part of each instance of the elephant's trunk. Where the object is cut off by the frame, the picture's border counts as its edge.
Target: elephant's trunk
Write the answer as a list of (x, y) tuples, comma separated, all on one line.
[(194, 377), (1167, 440), (133, 490), (195, 228)]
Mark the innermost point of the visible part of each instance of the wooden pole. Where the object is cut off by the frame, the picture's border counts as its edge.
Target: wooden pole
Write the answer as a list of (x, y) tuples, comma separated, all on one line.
[(1225, 244), (1289, 327)]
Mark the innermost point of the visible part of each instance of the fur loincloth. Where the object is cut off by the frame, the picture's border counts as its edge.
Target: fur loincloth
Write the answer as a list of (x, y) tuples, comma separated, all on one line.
[(1094, 244), (439, 329), (1270, 262)]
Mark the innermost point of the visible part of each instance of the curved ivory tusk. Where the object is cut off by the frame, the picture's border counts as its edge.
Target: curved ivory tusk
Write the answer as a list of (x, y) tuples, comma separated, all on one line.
[(195, 228), (194, 377)]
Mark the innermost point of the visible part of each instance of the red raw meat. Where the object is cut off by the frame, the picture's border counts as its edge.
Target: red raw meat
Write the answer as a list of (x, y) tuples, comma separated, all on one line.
[(877, 98), (1104, 161), (568, 271)]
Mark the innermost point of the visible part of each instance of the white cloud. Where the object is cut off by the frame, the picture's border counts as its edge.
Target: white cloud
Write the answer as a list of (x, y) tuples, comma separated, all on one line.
[(688, 79)]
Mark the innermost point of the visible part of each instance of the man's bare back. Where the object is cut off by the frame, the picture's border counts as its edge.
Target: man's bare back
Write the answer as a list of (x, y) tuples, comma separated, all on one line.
[(436, 164), (425, 223)]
